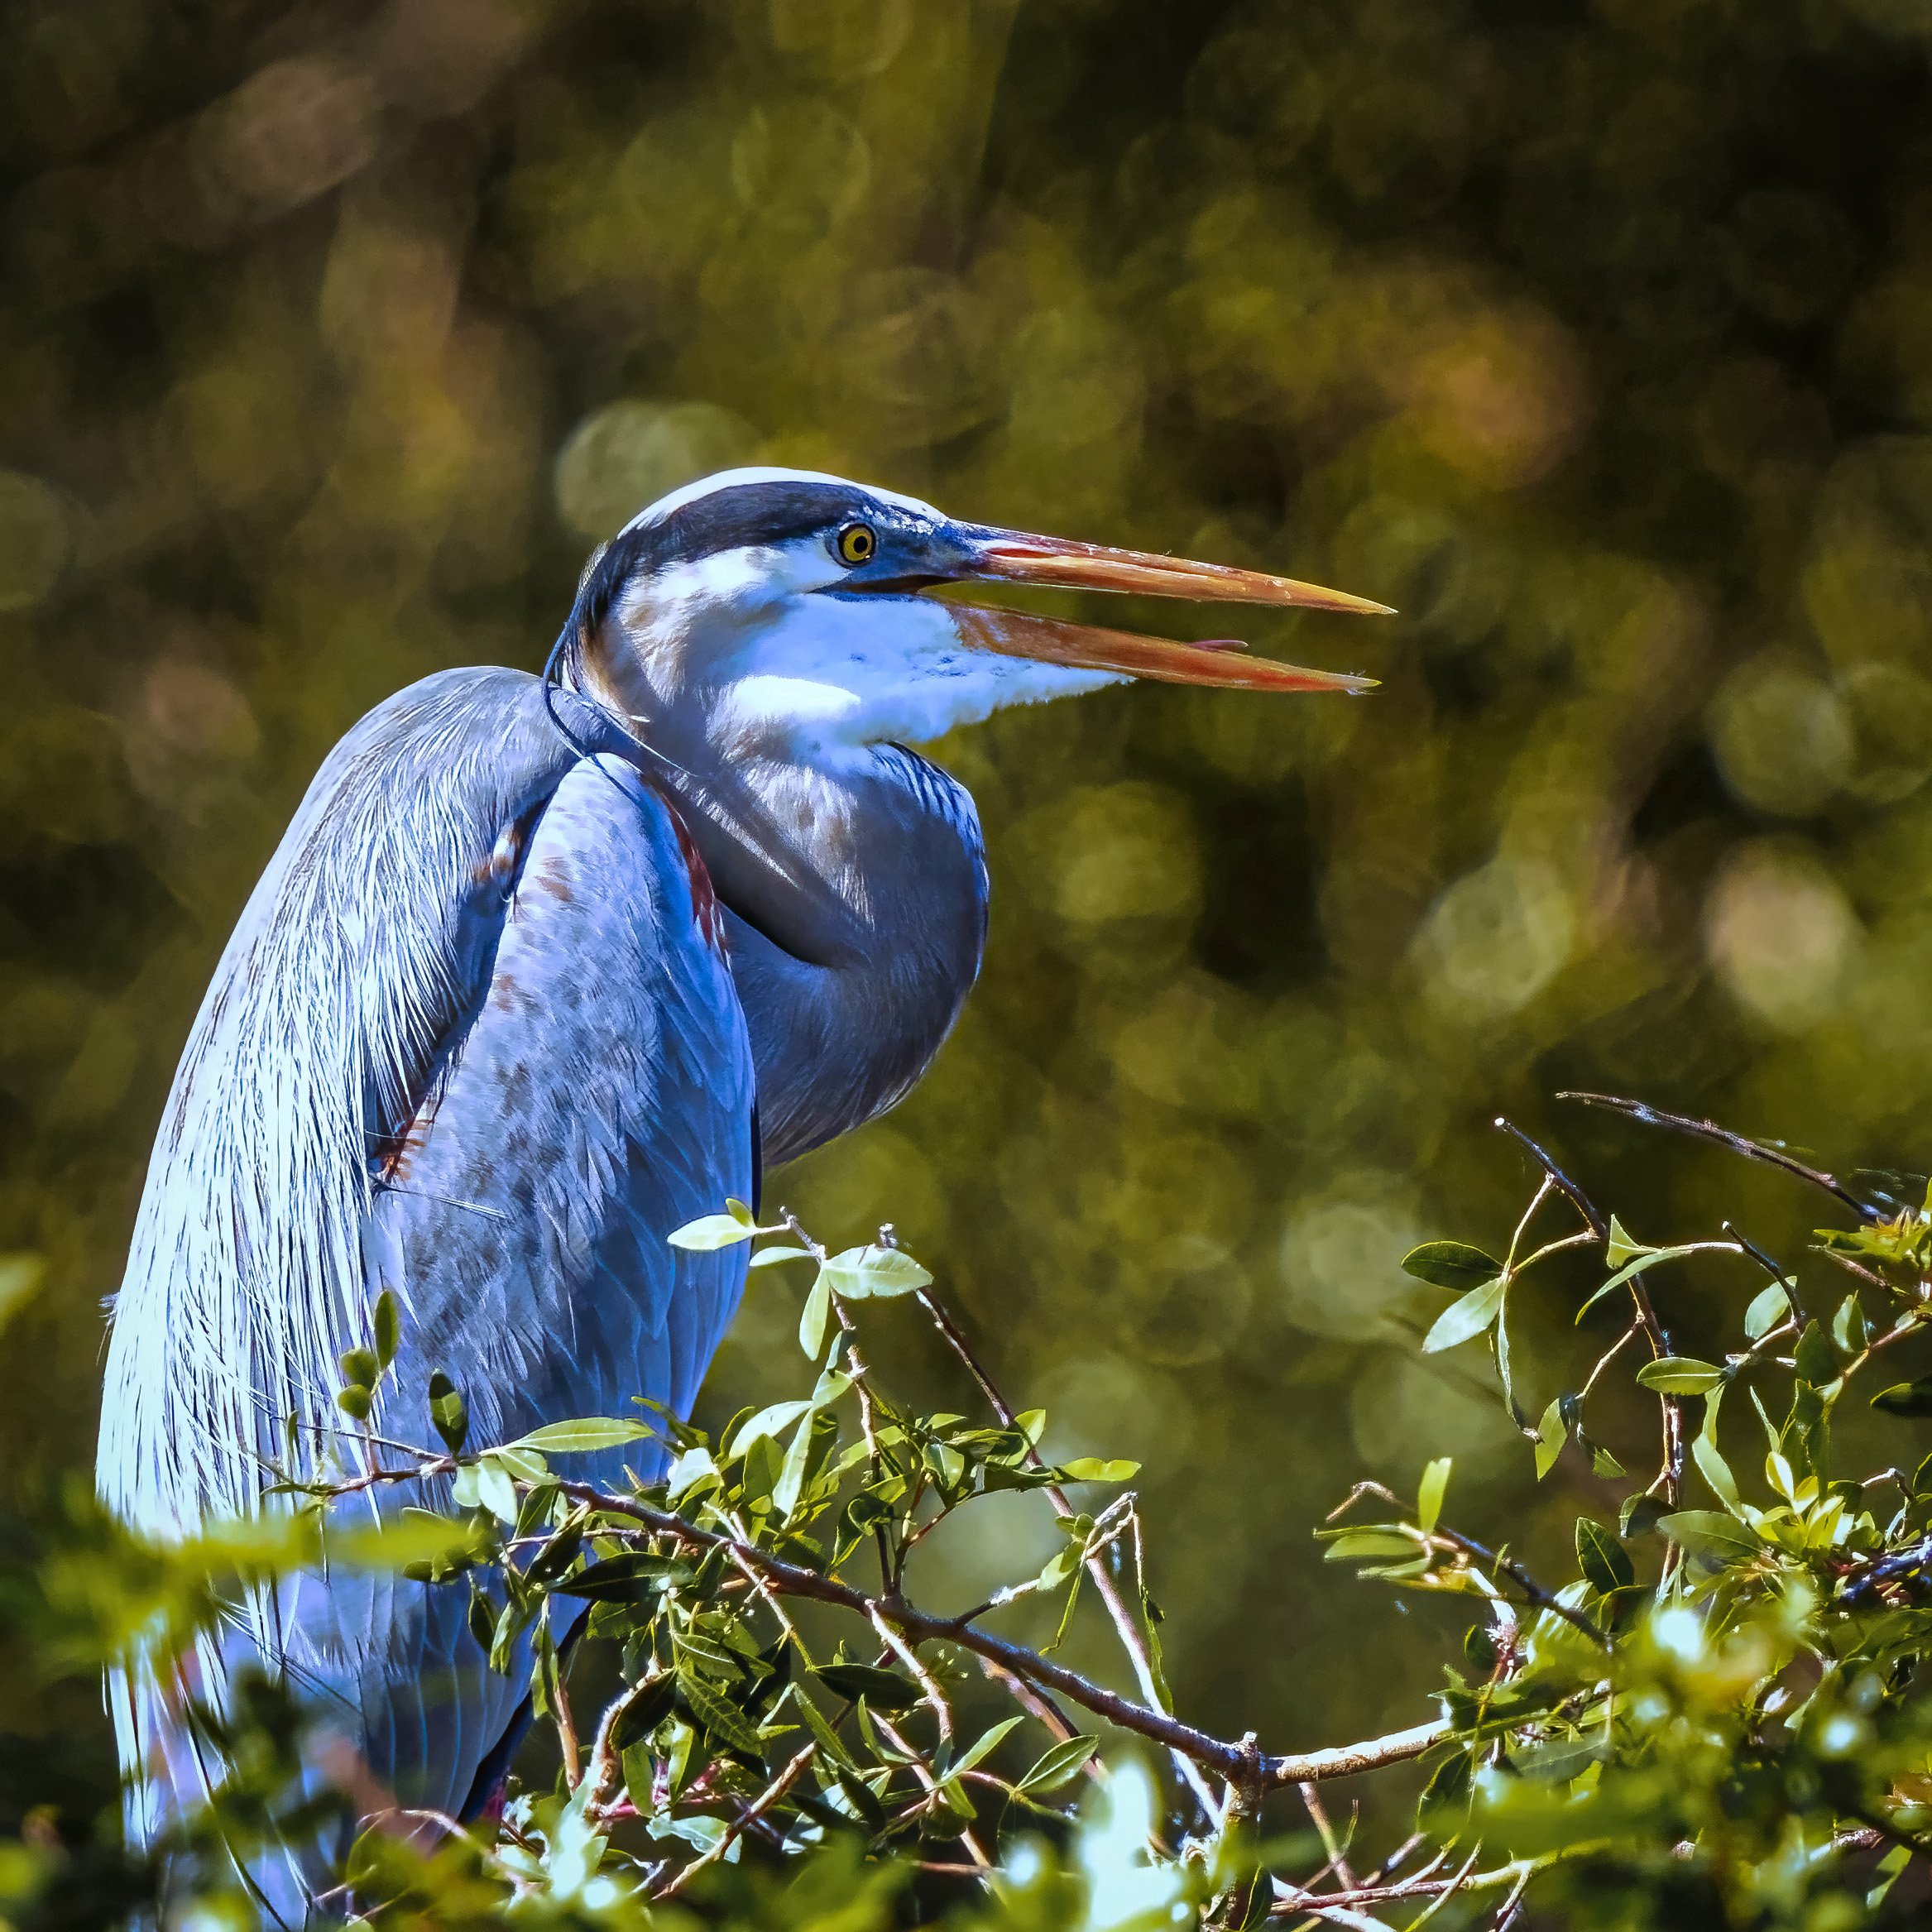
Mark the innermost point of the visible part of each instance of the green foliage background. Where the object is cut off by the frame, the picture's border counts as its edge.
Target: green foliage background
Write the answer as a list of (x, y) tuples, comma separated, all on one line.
[(1599, 339)]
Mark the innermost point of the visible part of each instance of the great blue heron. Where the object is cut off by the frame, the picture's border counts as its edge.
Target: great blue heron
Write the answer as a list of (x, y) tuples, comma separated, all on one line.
[(541, 970)]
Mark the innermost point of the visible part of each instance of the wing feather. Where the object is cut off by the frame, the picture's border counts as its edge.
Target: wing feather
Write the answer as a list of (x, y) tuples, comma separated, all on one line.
[(497, 1102)]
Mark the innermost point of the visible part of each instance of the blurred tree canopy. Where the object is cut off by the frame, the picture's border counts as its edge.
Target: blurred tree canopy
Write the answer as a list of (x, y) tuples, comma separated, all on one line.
[(1598, 338)]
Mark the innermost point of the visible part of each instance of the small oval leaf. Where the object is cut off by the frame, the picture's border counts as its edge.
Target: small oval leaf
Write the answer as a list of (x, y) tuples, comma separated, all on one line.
[(1450, 1264)]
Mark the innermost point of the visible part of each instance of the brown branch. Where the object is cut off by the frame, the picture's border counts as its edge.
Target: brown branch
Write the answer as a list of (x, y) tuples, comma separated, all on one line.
[(1225, 1759)]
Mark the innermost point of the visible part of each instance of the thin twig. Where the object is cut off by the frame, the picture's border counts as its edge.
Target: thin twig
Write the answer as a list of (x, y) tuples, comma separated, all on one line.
[(928, 1684), (1338, 1855), (920, 1770), (1124, 1621), (1650, 1116), (1786, 1281), (1578, 1199), (752, 1813)]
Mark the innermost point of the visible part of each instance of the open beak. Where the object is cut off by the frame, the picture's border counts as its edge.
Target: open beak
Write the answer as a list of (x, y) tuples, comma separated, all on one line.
[(1013, 557)]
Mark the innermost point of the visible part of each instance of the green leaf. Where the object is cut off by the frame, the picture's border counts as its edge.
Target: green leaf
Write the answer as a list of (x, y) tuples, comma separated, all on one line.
[(1602, 1463), (1619, 1247), (634, 1577), (771, 1256), (1716, 1471), (1552, 1432), (1367, 1545), (525, 1465), (829, 1742), (583, 1437), (1450, 1264), (386, 1326), (354, 1401), (817, 1313), (1706, 1533), (791, 1482), (1912, 1399), (1766, 1311), (495, 1490), (773, 1420), (1646, 1257), (716, 1230), (882, 1690), (1059, 1566), (448, 1412), (1604, 1562), (1463, 1319), (1429, 1493), (976, 1752), (719, 1715), (1639, 1516), (1816, 1362), (1091, 1469), (1680, 1375), (1850, 1328), (862, 1274), (1058, 1763), (359, 1367)]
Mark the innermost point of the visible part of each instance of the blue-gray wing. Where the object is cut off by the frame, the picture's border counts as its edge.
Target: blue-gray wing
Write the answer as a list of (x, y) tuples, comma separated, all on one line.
[(474, 1040), (603, 1098)]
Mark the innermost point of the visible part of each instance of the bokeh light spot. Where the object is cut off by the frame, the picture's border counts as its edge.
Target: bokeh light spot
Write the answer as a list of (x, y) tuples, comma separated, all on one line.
[(626, 455), (1781, 737), (1780, 933), (1497, 937)]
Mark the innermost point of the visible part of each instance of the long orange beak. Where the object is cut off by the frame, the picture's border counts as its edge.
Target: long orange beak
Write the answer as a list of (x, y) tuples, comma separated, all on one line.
[(1014, 557)]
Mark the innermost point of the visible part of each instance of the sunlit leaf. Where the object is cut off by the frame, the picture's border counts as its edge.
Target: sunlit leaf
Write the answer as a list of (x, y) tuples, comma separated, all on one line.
[(771, 1256), (817, 1314), (982, 1747), (385, 1327), (583, 1437), (1089, 1468), (1644, 1258), (1767, 1309), (448, 1412), (1552, 1432), (859, 1273), (1680, 1375), (716, 1230), (1620, 1247), (1058, 1763), (1430, 1492), (1362, 1545), (1463, 1320)]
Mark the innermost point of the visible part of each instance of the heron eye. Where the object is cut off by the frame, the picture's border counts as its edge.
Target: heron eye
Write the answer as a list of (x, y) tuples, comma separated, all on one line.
[(856, 543)]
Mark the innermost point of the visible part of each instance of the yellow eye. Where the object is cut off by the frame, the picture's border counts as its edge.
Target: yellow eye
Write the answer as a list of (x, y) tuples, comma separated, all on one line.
[(856, 543)]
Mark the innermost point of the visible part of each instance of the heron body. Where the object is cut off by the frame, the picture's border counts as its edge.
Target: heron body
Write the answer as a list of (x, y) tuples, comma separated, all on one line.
[(540, 972)]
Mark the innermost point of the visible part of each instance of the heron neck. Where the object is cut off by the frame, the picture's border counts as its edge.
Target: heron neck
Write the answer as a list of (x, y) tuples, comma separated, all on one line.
[(854, 881), (838, 1039)]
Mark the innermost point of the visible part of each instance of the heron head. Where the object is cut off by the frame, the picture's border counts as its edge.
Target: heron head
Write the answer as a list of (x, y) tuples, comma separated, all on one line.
[(783, 605)]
